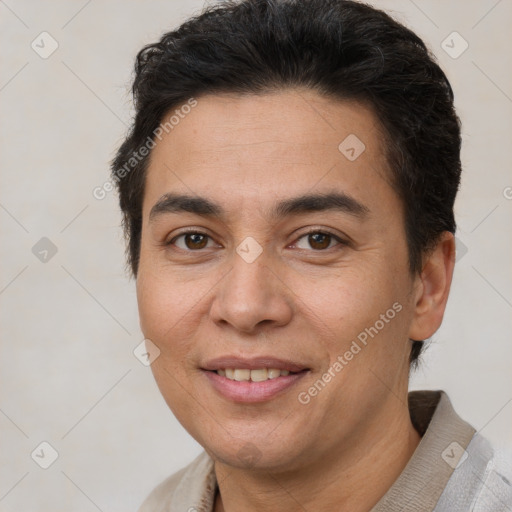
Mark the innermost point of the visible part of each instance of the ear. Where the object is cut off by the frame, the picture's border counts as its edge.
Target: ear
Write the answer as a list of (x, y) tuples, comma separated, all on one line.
[(432, 287)]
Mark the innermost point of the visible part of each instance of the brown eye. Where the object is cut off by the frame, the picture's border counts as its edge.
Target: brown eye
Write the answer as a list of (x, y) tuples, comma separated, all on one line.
[(195, 241), (190, 241), (318, 241)]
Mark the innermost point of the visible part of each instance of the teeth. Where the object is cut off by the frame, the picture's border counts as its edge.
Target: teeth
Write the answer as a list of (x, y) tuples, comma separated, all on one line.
[(242, 374), (272, 374), (259, 375)]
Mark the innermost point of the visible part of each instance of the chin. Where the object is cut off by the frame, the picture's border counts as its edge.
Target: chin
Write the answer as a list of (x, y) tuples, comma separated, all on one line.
[(256, 455)]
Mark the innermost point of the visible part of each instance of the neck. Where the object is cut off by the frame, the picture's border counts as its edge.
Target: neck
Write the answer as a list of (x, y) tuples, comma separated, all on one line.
[(354, 477)]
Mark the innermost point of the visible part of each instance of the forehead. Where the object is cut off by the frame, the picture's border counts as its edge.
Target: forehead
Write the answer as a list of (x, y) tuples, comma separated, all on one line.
[(246, 148)]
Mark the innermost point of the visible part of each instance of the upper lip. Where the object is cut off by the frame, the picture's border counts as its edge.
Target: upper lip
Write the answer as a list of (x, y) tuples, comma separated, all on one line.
[(252, 363)]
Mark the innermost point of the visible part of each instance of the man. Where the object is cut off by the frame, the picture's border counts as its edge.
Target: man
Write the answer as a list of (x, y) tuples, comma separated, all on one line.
[(288, 206)]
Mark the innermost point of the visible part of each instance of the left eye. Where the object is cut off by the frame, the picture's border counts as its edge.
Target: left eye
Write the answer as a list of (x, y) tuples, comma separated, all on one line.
[(192, 241), (318, 240)]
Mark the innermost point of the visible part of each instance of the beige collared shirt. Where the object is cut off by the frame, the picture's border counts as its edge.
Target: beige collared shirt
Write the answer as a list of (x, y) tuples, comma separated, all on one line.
[(453, 469)]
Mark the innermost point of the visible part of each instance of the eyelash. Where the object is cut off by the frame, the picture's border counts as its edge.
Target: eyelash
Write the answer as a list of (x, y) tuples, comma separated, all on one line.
[(311, 232)]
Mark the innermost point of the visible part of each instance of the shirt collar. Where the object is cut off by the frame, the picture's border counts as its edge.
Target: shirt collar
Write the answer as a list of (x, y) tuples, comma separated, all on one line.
[(445, 436)]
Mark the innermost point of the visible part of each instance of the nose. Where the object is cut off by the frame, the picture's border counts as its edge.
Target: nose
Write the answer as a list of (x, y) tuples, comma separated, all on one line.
[(252, 295)]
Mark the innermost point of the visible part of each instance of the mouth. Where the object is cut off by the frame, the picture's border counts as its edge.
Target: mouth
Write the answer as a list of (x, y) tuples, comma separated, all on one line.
[(257, 375), (252, 380)]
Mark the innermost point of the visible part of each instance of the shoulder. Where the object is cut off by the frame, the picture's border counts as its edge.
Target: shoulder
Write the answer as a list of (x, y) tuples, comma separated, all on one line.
[(186, 489), (495, 491), (481, 482)]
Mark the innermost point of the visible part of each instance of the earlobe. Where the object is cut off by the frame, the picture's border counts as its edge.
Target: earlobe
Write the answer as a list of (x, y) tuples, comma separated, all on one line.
[(433, 288)]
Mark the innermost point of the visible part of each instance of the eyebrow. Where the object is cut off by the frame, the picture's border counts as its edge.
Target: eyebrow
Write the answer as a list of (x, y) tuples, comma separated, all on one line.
[(333, 201)]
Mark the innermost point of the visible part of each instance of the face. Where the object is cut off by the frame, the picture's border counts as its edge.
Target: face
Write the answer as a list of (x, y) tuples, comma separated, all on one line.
[(254, 275)]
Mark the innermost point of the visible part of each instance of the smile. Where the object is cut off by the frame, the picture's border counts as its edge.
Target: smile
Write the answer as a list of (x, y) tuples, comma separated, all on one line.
[(241, 386), (258, 375)]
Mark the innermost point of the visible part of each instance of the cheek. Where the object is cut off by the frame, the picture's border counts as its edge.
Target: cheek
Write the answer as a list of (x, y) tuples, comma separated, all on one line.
[(160, 312), (356, 305), (149, 301), (344, 301), (160, 307), (171, 308)]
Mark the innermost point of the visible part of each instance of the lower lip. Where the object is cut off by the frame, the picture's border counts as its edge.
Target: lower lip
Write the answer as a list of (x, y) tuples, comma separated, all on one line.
[(248, 391)]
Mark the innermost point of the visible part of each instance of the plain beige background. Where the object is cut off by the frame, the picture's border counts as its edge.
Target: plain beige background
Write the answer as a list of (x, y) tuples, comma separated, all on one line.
[(69, 324)]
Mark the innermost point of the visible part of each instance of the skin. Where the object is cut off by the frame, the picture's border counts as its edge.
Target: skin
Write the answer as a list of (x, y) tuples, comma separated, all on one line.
[(298, 300)]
